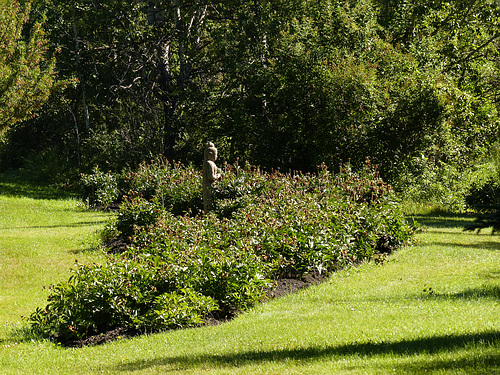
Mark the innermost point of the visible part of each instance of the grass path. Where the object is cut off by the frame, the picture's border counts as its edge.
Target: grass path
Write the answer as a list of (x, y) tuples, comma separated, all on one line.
[(39, 242), (434, 307)]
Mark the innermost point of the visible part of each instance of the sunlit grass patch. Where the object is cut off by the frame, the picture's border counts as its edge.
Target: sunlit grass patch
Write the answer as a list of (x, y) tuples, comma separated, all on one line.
[(40, 239), (432, 307)]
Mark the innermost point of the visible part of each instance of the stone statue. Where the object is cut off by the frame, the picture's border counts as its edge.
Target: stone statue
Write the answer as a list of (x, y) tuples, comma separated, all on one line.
[(210, 174)]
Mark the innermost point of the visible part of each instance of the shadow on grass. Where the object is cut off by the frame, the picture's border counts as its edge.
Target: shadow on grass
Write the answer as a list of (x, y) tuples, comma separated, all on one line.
[(487, 245), (13, 186), (18, 333), (73, 225), (431, 345), (443, 221), (482, 364), (485, 292)]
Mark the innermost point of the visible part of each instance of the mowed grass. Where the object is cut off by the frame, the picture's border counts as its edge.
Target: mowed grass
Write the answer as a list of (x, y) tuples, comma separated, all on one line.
[(40, 239), (433, 307)]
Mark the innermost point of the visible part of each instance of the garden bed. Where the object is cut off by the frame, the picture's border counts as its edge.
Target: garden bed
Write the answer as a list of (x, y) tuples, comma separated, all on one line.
[(177, 267)]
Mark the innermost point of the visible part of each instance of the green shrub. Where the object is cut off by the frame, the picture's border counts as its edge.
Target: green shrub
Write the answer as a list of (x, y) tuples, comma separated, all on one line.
[(171, 186), (487, 193), (181, 267), (129, 293), (99, 188), (185, 308), (206, 257), (237, 189), (135, 214)]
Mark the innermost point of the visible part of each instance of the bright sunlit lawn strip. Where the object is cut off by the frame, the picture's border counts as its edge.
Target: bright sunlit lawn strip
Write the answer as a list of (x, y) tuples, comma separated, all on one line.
[(432, 308), (40, 239)]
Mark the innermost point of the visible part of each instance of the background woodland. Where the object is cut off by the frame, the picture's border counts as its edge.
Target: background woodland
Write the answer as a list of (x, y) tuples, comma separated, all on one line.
[(289, 84)]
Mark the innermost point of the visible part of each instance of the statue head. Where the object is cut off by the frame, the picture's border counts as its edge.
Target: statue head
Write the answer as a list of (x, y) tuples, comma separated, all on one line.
[(210, 152)]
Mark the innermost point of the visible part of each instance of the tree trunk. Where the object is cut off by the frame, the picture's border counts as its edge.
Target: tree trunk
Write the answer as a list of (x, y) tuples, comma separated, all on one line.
[(168, 131), (82, 83)]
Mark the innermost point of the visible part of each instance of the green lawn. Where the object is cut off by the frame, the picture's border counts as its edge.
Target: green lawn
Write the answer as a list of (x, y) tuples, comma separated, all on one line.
[(434, 307)]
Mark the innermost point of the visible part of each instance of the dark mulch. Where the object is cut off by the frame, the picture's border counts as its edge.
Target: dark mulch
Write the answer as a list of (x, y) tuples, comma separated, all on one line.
[(116, 246), (103, 338), (286, 286)]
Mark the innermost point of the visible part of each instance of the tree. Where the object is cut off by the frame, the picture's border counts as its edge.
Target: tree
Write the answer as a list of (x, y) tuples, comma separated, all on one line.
[(459, 41), (137, 65), (26, 76), (283, 84), (307, 82)]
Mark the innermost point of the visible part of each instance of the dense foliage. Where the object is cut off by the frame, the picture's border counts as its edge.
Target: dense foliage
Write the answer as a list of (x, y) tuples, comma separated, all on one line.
[(182, 267), (26, 77), (284, 84), (484, 198)]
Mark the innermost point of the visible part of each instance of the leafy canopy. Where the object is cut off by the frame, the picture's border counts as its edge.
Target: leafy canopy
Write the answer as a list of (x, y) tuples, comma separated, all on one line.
[(26, 77)]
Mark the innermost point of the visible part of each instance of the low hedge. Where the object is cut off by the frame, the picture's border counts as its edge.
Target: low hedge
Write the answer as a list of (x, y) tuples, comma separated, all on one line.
[(182, 266)]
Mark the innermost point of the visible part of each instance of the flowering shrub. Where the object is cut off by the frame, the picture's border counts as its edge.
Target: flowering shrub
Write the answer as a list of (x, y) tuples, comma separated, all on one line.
[(170, 186), (181, 266), (135, 214)]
